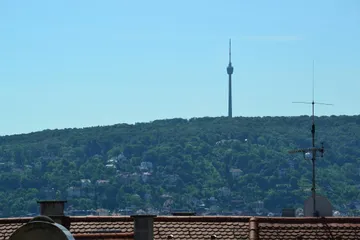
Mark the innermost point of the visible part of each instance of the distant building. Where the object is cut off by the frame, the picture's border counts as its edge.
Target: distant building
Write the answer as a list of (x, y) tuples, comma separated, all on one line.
[(146, 166), (145, 176), (85, 183), (73, 192), (235, 172), (110, 165), (102, 182)]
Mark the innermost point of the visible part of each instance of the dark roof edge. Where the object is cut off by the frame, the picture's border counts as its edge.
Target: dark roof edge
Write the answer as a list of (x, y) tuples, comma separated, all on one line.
[(310, 220), (15, 220)]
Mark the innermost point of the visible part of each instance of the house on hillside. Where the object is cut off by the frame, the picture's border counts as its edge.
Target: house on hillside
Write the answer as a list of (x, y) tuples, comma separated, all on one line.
[(102, 182), (73, 192), (235, 172), (146, 166), (85, 183), (145, 176)]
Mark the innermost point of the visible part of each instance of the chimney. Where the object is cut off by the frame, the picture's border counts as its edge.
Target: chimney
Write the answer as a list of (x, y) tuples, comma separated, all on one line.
[(143, 227), (288, 212), (55, 210)]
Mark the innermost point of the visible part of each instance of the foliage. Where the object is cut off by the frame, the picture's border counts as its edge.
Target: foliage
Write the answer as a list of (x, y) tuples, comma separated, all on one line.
[(193, 164)]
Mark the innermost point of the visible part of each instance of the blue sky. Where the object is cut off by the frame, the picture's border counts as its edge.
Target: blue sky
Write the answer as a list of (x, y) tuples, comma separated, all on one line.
[(87, 63)]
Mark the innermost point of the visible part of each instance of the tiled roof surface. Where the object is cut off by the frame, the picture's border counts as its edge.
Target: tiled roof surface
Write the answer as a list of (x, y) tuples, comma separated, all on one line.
[(9, 225), (206, 227), (95, 224), (198, 227), (95, 227), (309, 228)]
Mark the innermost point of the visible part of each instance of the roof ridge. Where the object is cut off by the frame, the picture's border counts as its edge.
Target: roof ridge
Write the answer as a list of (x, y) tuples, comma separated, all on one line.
[(309, 220), (201, 219), (253, 228), (101, 218)]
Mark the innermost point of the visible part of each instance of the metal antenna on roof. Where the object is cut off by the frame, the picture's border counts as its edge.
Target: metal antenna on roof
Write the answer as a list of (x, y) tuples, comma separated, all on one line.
[(310, 153)]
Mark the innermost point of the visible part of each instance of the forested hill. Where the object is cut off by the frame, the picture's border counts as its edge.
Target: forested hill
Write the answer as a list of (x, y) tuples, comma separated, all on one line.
[(218, 164)]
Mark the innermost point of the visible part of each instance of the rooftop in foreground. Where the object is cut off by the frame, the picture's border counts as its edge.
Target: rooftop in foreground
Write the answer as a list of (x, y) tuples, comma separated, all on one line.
[(205, 227)]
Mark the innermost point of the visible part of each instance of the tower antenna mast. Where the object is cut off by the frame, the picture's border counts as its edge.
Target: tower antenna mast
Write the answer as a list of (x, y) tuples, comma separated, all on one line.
[(230, 71), (229, 50), (310, 153)]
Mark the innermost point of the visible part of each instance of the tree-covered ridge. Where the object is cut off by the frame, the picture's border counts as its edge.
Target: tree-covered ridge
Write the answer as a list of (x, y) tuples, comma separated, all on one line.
[(219, 164)]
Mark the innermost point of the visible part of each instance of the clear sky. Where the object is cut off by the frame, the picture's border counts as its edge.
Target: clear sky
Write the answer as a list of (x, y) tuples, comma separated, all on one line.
[(86, 63)]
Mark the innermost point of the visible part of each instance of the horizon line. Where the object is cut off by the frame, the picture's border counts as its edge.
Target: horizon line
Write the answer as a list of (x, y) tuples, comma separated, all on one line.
[(173, 118)]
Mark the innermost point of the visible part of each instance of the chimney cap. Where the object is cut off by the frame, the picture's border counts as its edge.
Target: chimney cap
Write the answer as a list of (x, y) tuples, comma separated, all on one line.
[(51, 201), (143, 216), (183, 213)]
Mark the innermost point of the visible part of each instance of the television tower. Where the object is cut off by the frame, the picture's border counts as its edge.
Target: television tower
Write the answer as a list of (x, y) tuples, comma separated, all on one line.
[(230, 71)]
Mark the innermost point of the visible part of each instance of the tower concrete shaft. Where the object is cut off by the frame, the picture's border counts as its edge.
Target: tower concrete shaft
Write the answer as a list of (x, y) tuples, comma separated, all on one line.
[(230, 71), (230, 99)]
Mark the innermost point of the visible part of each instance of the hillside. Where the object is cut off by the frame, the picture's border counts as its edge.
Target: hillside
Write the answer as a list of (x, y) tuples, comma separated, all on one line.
[(216, 163)]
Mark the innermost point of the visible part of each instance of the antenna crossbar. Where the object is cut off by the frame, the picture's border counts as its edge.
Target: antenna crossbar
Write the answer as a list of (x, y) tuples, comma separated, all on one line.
[(318, 103), (305, 150), (230, 50)]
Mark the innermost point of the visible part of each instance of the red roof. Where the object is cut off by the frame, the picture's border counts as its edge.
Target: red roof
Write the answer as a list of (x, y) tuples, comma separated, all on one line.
[(100, 224), (309, 228), (206, 227)]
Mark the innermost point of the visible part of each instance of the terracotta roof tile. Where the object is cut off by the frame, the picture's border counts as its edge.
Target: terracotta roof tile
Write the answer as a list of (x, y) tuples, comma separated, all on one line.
[(93, 224), (309, 228), (9, 225), (199, 227)]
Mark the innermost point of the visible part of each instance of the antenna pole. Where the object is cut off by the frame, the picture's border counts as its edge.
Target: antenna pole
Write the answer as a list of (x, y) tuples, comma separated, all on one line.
[(229, 50), (313, 150), (315, 214), (313, 81)]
